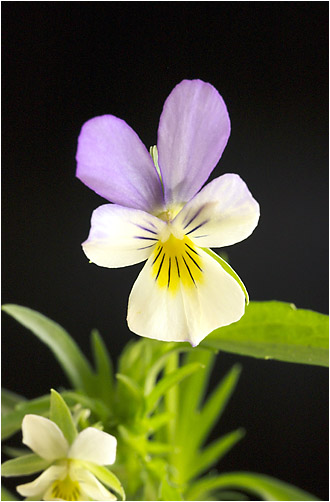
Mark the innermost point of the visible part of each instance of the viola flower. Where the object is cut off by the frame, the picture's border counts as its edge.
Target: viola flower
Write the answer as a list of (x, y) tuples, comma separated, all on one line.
[(67, 477), (159, 215)]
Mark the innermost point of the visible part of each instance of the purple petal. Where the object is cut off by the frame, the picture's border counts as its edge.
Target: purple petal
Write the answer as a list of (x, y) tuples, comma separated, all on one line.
[(193, 131), (112, 161)]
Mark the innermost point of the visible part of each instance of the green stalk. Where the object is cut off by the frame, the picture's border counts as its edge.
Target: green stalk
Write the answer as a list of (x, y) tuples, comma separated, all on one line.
[(172, 398)]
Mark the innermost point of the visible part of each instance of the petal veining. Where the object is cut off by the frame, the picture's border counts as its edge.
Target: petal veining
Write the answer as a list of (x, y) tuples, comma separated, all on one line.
[(188, 309), (44, 437), (176, 261), (113, 161), (222, 213), (193, 131), (120, 236)]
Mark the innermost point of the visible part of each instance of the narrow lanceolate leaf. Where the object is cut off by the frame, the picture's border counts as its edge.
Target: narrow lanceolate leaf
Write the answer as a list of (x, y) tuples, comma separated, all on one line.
[(11, 422), (132, 389), (265, 487), (66, 351), (104, 371), (213, 452), (9, 400), (158, 366), (60, 414), (276, 330), (22, 466), (168, 381), (192, 391), (215, 405), (106, 477)]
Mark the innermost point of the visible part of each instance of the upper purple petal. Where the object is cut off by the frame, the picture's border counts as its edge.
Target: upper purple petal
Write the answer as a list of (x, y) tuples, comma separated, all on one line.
[(193, 131), (113, 161)]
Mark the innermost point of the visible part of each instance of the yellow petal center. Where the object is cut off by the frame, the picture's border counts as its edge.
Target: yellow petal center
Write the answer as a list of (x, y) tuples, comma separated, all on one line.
[(66, 489), (176, 262)]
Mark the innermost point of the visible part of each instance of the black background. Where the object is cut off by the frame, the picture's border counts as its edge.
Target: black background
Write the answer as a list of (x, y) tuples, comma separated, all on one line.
[(66, 62)]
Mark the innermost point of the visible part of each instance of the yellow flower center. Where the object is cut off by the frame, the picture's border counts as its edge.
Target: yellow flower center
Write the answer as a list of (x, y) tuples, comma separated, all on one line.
[(176, 261), (66, 489), (170, 213)]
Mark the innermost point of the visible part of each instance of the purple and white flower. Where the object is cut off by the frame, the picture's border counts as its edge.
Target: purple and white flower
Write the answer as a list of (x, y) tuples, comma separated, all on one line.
[(159, 213)]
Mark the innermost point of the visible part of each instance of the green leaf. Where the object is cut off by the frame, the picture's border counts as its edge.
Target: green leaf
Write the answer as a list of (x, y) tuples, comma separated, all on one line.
[(60, 414), (11, 422), (192, 391), (128, 391), (104, 371), (105, 476), (266, 487), (213, 452), (22, 466), (167, 382), (156, 421), (159, 365), (229, 270), (276, 330), (7, 495), (215, 405), (66, 351), (9, 400), (168, 491)]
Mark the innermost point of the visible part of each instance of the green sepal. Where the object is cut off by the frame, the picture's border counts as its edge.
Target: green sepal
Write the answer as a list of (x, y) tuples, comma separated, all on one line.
[(229, 271), (105, 476), (61, 415), (276, 330), (265, 487), (22, 466)]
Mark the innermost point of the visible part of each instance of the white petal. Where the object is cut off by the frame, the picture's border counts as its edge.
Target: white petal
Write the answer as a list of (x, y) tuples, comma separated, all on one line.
[(91, 488), (121, 236), (192, 309), (44, 437), (40, 485), (95, 446), (222, 213)]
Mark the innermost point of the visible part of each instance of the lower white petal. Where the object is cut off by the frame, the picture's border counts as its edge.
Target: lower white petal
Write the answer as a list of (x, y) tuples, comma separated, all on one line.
[(221, 214), (121, 236), (42, 483), (190, 297), (91, 488), (94, 446), (44, 437)]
